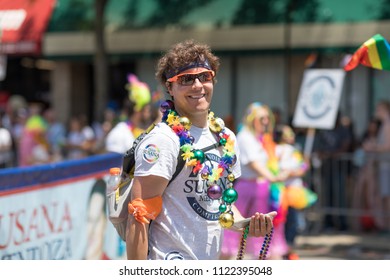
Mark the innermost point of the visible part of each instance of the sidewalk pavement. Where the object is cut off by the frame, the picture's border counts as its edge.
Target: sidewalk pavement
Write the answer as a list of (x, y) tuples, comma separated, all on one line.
[(343, 246)]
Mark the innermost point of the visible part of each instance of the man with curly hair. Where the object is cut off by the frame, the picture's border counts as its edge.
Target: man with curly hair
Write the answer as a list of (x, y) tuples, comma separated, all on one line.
[(190, 212)]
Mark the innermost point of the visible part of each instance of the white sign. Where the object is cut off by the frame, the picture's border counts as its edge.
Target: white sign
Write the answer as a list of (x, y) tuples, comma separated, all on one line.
[(61, 222), (58, 211), (319, 98)]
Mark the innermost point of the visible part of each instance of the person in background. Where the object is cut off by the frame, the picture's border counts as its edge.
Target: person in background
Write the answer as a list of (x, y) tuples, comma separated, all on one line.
[(79, 139), (298, 195), (102, 129), (381, 149), (329, 146), (261, 179), (365, 192), (135, 118), (33, 146), (88, 133), (188, 213), (5, 145), (55, 134), (278, 120)]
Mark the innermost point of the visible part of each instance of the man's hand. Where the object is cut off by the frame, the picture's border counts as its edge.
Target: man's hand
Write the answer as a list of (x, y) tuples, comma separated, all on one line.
[(261, 224)]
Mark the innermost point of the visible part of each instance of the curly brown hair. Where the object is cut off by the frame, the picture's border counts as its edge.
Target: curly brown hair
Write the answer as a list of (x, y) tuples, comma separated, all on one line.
[(181, 55)]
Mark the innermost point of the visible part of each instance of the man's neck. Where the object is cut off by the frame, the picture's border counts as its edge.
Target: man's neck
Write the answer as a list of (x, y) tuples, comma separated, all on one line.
[(199, 119)]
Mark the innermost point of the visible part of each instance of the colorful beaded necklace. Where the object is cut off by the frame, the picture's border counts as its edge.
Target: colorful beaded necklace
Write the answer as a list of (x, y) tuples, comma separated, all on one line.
[(195, 158), (264, 248)]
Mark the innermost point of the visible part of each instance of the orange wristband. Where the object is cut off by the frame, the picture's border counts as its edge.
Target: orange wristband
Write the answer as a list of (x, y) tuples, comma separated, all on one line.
[(145, 209)]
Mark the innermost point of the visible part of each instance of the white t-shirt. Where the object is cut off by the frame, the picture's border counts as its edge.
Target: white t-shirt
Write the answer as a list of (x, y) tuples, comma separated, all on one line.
[(5, 145), (187, 227), (289, 160), (120, 138), (251, 150), (88, 133)]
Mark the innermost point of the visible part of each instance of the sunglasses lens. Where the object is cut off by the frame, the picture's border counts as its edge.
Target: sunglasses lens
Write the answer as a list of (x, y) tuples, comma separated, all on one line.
[(205, 77), (189, 79)]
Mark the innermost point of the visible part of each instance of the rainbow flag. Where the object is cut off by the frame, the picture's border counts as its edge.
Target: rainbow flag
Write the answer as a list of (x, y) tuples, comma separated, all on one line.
[(374, 53)]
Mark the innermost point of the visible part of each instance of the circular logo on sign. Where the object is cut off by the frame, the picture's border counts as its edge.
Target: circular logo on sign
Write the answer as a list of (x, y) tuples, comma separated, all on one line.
[(151, 153), (318, 97)]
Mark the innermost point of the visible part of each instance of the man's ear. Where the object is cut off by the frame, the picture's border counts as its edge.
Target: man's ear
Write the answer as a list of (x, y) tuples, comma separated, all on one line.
[(168, 85)]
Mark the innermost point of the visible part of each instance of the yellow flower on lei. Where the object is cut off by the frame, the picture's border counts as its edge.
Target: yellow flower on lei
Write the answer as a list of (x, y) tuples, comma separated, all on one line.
[(192, 162), (187, 155), (172, 119), (215, 175), (219, 172), (229, 144), (230, 154), (187, 152)]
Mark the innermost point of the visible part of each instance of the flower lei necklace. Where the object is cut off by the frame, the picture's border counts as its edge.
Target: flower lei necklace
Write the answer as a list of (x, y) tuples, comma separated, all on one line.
[(195, 158)]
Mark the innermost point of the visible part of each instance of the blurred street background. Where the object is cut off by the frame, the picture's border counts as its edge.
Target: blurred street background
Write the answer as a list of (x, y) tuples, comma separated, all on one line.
[(343, 246), (65, 71)]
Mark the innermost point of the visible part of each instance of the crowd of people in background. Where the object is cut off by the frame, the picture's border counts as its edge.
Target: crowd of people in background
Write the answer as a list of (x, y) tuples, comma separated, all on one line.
[(271, 180), (31, 134), (35, 136)]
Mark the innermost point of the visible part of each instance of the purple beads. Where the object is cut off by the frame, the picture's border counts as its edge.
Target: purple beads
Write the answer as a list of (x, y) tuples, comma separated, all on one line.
[(166, 105), (214, 192)]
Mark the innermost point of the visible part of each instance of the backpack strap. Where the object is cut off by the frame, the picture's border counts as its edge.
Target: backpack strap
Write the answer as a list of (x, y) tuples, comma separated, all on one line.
[(128, 162)]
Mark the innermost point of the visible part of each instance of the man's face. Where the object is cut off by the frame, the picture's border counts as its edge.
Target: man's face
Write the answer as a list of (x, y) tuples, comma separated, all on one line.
[(193, 92)]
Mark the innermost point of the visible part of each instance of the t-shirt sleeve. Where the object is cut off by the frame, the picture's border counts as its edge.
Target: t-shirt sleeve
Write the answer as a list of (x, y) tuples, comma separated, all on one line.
[(157, 155)]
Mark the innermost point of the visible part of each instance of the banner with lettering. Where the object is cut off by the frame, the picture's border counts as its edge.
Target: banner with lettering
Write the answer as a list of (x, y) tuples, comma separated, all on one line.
[(58, 211)]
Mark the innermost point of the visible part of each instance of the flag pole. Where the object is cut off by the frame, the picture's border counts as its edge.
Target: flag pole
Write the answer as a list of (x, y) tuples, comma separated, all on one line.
[(310, 135)]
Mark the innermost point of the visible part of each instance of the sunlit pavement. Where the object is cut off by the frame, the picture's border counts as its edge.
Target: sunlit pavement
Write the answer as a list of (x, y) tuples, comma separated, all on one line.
[(343, 246)]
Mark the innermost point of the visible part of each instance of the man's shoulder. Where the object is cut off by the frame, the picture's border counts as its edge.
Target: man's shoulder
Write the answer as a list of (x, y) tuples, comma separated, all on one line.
[(162, 132), (228, 130)]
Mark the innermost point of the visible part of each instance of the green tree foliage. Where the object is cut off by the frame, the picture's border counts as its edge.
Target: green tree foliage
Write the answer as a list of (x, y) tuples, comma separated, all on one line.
[(304, 10), (255, 12), (258, 12), (169, 12), (72, 15), (385, 10)]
